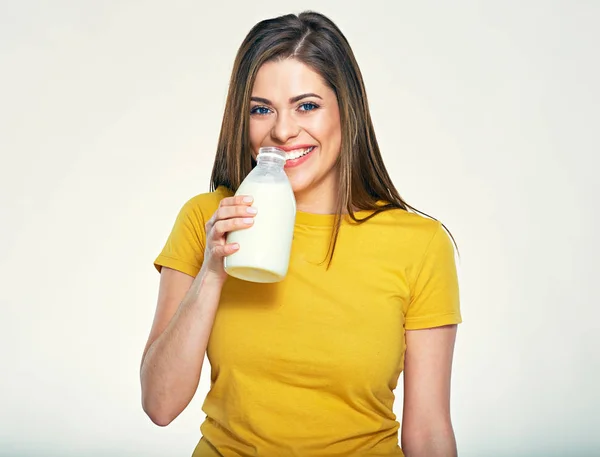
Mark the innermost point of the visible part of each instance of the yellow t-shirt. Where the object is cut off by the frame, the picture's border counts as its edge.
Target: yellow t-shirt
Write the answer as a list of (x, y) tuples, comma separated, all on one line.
[(307, 367)]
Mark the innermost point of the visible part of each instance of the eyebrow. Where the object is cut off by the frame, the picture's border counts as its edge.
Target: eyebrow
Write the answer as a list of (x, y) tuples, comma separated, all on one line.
[(295, 99)]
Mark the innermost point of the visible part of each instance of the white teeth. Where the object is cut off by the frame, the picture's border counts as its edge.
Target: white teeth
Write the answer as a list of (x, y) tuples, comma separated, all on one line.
[(297, 153)]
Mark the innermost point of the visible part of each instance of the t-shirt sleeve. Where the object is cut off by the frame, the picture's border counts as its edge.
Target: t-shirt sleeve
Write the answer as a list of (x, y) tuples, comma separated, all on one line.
[(435, 293), (184, 248)]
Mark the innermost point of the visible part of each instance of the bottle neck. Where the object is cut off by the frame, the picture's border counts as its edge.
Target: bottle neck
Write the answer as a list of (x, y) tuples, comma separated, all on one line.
[(271, 163)]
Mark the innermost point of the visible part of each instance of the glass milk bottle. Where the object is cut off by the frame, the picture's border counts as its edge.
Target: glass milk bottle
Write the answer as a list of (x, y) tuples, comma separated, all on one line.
[(265, 246)]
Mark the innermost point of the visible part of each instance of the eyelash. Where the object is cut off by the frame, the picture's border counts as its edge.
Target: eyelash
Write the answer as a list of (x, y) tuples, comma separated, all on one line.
[(255, 109), (314, 106)]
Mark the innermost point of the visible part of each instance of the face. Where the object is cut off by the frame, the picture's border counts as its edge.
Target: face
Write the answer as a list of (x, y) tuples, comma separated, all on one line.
[(292, 108)]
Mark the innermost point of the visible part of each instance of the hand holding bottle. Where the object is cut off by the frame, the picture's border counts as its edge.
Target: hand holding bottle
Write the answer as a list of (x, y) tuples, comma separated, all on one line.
[(265, 247), (233, 213)]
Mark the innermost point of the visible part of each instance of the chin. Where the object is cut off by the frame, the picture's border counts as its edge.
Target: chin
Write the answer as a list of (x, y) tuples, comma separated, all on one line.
[(305, 181), (297, 180), (299, 187)]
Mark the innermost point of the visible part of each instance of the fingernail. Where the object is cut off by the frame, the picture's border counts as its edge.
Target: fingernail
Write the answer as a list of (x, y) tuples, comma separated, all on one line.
[(248, 220), (251, 210), (248, 199), (235, 247)]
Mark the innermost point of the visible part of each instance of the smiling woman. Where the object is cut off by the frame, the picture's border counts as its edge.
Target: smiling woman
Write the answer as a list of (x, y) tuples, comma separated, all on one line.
[(295, 110), (307, 366)]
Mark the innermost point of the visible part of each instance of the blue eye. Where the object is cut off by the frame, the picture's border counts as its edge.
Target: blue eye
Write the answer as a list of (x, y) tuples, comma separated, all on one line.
[(260, 110), (308, 106)]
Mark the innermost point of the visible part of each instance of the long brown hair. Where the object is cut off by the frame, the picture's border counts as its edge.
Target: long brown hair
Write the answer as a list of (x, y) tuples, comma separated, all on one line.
[(316, 41)]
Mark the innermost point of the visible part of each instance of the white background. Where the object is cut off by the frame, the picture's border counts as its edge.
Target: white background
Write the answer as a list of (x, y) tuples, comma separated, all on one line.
[(487, 116)]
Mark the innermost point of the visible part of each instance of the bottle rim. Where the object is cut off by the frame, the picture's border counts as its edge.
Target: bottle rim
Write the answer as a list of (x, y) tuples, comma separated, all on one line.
[(271, 151)]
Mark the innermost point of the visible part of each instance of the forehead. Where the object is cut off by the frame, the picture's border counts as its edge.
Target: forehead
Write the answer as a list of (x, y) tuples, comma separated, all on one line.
[(287, 77)]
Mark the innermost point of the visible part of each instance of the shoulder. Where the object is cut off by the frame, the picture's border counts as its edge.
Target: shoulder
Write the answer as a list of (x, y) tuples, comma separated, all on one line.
[(202, 206), (410, 235), (411, 226)]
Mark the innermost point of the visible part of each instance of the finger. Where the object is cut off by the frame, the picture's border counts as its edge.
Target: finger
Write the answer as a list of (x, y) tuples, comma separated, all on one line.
[(236, 200), (228, 212), (226, 249), (209, 224), (220, 228)]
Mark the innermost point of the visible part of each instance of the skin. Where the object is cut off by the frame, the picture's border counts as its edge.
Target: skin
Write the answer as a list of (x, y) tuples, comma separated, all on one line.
[(186, 308), (277, 119), (185, 312), (426, 423)]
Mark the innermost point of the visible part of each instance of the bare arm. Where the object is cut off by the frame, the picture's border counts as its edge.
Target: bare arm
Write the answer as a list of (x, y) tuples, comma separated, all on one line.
[(185, 313), (426, 424), (174, 354)]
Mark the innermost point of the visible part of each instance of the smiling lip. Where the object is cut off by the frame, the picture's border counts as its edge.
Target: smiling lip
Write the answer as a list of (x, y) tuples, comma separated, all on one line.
[(291, 163), (294, 147)]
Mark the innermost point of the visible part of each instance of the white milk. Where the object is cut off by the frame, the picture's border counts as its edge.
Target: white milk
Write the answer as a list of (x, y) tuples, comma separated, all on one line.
[(265, 246)]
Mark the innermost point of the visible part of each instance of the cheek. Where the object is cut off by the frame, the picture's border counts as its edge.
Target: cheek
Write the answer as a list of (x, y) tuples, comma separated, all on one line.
[(331, 135), (257, 132), (325, 129)]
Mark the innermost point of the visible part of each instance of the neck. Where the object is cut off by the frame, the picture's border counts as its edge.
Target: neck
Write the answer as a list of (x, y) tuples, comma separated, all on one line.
[(321, 199)]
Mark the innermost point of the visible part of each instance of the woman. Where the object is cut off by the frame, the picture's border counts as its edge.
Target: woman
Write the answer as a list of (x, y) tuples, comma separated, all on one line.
[(308, 366)]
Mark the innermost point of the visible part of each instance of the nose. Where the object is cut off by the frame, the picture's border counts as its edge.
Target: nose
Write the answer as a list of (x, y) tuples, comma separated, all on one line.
[(285, 128)]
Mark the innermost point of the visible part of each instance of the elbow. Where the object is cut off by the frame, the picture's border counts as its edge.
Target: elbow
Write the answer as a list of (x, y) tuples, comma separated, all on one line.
[(154, 402), (157, 411), (157, 416), (161, 400), (160, 421), (429, 440)]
